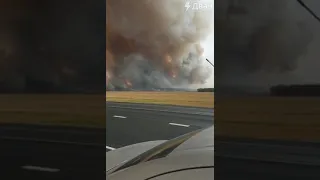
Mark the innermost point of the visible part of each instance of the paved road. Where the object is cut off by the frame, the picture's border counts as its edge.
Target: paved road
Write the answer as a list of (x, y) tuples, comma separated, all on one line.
[(256, 159), (88, 136), (235, 158), (73, 153), (41, 152), (235, 169), (132, 123)]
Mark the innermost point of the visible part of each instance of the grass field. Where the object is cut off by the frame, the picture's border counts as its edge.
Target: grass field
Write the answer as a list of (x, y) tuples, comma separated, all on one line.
[(290, 118), (196, 99), (74, 110)]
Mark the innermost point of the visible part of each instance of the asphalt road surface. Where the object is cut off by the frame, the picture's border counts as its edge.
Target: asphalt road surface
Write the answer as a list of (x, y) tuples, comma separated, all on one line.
[(40, 152), (133, 123), (266, 159), (49, 152), (235, 158)]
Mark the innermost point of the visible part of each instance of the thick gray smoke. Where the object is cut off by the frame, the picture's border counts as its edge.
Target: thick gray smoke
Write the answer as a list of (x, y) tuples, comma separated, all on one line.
[(260, 43), (51, 45), (160, 44)]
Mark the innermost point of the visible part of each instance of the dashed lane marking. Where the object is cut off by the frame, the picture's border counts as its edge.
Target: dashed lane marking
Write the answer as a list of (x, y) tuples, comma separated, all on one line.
[(38, 168), (182, 125), (110, 148), (122, 117)]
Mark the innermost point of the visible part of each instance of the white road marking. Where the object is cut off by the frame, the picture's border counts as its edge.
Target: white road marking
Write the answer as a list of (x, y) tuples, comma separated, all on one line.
[(110, 148), (122, 117), (182, 125), (38, 168)]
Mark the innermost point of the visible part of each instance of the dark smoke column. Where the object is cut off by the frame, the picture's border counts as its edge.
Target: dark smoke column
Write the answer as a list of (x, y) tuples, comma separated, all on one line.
[(257, 41), (44, 53), (149, 55)]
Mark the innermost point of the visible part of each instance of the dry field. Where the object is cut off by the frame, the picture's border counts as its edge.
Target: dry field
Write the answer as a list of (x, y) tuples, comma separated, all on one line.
[(196, 99), (74, 110), (290, 118)]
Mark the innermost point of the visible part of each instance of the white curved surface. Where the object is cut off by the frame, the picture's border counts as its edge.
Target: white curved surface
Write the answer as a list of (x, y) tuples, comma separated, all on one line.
[(198, 151)]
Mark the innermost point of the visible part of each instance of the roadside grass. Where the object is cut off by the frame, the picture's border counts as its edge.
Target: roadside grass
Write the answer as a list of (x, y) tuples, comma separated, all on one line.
[(53, 109), (195, 99), (284, 118)]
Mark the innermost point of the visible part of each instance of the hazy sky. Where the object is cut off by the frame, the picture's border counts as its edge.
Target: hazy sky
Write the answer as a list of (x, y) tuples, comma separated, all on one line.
[(208, 53), (208, 46)]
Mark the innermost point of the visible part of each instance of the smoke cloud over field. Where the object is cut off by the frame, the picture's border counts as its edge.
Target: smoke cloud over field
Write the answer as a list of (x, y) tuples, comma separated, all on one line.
[(51, 45), (260, 43), (156, 44)]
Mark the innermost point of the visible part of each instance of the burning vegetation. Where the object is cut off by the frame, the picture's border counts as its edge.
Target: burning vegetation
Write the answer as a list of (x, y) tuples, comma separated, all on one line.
[(155, 44), (52, 46)]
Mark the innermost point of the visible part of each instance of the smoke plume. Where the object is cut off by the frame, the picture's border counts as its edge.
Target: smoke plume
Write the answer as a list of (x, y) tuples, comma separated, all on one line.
[(52, 45), (260, 43), (156, 44)]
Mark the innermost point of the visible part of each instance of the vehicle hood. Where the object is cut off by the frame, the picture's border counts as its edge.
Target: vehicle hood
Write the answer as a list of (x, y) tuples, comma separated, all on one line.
[(203, 139), (119, 156)]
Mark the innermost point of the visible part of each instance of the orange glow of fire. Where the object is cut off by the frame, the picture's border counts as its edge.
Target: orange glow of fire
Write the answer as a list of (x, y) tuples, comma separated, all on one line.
[(172, 74), (128, 83), (168, 59)]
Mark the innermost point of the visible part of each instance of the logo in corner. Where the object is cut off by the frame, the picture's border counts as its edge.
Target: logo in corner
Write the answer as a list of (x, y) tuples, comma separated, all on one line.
[(187, 5)]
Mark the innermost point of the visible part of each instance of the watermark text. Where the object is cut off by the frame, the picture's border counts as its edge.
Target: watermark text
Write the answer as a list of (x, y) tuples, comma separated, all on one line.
[(198, 6)]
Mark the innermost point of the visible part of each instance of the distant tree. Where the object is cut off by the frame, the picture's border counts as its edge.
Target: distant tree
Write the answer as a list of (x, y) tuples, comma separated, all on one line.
[(295, 90), (205, 90)]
